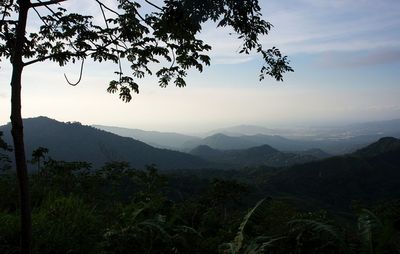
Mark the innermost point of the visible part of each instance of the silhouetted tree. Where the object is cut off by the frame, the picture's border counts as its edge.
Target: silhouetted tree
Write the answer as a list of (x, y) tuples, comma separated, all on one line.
[(38, 155), (168, 33), (3, 144), (4, 158)]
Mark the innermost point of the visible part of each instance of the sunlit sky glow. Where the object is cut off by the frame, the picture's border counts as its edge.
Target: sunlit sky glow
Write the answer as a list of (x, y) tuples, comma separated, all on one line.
[(346, 56)]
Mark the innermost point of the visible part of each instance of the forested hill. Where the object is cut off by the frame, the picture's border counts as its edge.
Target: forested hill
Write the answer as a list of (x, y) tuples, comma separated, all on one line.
[(76, 142), (254, 156), (369, 174), (169, 140)]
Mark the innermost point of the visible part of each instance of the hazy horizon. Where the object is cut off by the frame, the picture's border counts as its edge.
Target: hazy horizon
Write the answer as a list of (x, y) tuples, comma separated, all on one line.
[(305, 127), (346, 57)]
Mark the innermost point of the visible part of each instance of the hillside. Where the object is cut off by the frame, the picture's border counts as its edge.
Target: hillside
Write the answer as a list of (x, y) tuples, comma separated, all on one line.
[(225, 142), (370, 174), (76, 142), (255, 156), (221, 142), (169, 140), (384, 145), (334, 146), (335, 140)]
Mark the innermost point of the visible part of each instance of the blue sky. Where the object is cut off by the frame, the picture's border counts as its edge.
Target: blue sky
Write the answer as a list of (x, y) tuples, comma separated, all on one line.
[(346, 56)]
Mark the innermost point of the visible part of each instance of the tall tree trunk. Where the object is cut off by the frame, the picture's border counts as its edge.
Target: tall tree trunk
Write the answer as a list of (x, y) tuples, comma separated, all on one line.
[(17, 128)]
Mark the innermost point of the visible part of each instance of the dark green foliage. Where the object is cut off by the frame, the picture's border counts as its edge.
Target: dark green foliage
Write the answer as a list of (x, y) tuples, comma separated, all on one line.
[(314, 233), (3, 144), (8, 192), (118, 209), (338, 180), (9, 233), (250, 220), (4, 154), (148, 227), (332, 183), (38, 155), (8, 186), (378, 230), (66, 224)]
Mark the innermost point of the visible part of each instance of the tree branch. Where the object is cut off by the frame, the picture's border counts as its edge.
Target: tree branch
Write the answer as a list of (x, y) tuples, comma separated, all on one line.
[(155, 6), (40, 16), (8, 21), (51, 2), (6, 9), (51, 10), (41, 59), (106, 7)]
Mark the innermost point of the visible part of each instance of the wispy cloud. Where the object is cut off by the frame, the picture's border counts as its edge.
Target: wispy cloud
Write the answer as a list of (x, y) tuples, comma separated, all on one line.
[(315, 26), (374, 57), (321, 26)]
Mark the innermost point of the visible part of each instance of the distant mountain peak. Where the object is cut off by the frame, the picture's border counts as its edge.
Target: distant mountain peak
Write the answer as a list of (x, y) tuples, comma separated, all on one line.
[(202, 149), (263, 148), (245, 129), (217, 134), (40, 118)]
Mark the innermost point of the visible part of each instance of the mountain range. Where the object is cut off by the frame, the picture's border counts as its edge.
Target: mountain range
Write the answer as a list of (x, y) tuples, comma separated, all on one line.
[(364, 177), (332, 140), (329, 146), (368, 174), (73, 141)]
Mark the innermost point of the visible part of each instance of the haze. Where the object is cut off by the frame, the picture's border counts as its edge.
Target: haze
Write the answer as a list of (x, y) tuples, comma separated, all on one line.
[(346, 56)]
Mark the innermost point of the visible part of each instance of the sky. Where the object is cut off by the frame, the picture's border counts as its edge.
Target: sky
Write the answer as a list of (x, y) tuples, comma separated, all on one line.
[(346, 57)]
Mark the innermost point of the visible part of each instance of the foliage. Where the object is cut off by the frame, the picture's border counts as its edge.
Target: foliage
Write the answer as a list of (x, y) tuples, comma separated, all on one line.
[(38, 155), (65, 225), (3, 144), (9, 233), (118, 209), (142, 39), (313, 233), (4, 158), (378, 235), (242, 243), (140, 228)]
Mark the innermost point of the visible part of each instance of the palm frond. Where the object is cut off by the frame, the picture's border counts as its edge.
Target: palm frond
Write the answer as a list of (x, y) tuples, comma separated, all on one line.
[(369, 226), (323, 229), (316, 226), (261, 244), (252, 217)]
